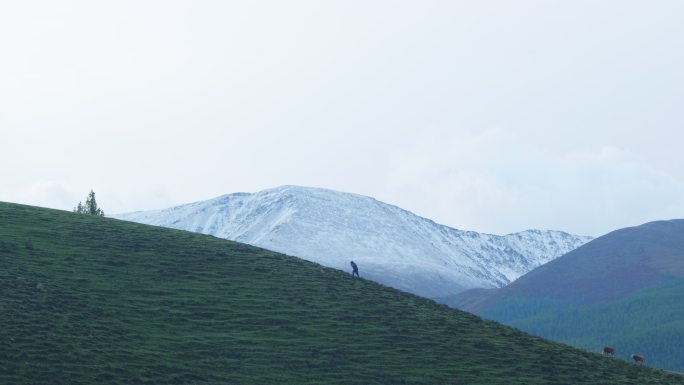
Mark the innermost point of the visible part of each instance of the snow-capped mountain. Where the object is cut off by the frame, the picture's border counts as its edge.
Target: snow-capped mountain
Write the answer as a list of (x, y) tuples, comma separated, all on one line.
[(390, 245)]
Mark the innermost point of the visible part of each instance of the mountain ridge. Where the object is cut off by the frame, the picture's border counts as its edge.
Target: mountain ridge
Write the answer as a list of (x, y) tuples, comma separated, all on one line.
[(392, 245)]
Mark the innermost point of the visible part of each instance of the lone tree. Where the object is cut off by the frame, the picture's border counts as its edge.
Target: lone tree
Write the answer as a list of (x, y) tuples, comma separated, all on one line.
[(90, 206)]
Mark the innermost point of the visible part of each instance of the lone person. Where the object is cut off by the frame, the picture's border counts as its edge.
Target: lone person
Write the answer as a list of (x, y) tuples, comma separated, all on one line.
[(355, 269)]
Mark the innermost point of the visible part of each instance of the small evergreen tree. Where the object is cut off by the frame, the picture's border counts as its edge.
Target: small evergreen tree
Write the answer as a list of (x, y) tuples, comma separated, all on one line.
[(90, 207)]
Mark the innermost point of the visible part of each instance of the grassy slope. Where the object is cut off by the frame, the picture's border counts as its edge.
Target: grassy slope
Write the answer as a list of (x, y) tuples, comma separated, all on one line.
[(89, 300)]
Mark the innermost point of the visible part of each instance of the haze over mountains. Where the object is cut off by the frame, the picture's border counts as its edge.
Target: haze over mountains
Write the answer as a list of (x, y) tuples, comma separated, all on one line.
[(623, 289), (391, 245)]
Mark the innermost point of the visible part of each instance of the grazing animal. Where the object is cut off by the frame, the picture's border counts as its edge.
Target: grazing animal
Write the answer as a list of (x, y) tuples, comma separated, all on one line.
[(608, 351), (638, 359)]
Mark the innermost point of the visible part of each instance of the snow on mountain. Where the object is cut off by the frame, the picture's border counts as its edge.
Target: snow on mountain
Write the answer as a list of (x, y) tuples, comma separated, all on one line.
[(391, 246)]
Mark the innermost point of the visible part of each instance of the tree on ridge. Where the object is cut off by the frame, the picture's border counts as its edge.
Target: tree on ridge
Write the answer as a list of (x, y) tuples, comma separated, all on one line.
[(90, 207)]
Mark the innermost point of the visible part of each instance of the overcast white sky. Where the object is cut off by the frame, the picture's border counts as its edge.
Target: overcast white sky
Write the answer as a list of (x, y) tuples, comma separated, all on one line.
[(493, 116)]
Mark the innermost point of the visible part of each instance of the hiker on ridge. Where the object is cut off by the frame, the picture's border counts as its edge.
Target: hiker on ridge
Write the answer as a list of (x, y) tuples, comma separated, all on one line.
[(355, 269)]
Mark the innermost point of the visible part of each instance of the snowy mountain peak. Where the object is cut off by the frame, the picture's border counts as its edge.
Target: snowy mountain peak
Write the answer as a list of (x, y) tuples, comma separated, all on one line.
[(391, 245)]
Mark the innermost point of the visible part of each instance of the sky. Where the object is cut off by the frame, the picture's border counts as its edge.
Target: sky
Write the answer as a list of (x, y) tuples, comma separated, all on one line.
[(492, 116)]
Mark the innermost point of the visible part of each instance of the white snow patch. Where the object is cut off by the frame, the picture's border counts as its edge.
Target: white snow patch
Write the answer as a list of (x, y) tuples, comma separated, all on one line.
[(390, 245)]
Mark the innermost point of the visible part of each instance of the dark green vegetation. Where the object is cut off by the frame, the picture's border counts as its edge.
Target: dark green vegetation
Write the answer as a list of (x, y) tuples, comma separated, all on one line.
[(625, 289), (90, 207), (91, 300)]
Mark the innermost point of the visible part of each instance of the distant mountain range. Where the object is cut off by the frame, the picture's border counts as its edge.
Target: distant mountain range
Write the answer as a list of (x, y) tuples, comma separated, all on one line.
[(390, 245), (624, 289)]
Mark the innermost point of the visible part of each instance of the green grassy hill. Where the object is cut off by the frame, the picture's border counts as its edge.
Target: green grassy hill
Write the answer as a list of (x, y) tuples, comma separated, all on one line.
[(87, 300)]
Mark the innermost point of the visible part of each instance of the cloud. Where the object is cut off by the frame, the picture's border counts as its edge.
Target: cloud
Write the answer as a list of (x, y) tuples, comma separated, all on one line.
[(47, 193), (496, 181), (574, 117), (614, 187)]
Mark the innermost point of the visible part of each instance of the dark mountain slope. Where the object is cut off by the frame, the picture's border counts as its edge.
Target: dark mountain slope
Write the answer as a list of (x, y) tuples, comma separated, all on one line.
[(612, 266), (88, 300), (623, 289)]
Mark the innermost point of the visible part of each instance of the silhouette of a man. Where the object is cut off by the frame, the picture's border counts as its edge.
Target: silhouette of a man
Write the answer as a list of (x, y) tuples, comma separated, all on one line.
[(355, 269)]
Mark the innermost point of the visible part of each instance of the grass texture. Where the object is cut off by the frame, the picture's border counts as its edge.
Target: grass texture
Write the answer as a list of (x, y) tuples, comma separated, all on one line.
[(88, 300)]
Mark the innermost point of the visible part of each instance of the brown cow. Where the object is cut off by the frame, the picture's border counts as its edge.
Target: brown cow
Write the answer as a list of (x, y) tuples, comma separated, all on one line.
[(638, 359), (608, 351)]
